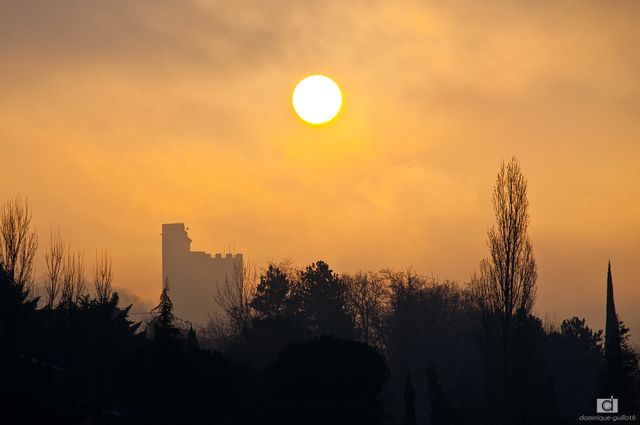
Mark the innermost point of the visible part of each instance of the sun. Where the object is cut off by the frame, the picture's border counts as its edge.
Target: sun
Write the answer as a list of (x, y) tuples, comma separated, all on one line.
[(317, 99)]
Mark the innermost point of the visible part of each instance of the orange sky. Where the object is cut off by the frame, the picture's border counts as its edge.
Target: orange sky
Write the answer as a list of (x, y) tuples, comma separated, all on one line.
[(116, 117)]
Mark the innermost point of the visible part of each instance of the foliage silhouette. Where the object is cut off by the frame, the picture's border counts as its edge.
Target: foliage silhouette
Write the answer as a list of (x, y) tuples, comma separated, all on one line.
[(620, 374), (308, 346), (323, 298), (326, 380), (16, 318), (573, 357), (439, 409), (273, 294), (506, 286), (164, 332), (409, 402)]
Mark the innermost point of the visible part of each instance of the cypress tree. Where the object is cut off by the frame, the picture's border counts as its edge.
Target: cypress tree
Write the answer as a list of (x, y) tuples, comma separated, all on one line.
[(620, 376), (409, 402), (612, 349)]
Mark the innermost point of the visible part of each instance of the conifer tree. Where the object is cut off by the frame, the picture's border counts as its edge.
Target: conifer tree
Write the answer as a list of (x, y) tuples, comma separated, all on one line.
[(439, 406), (612, 349), (620, 376), (192, 340), (324, 300), (271, 298), (409, 402), (165, 333)]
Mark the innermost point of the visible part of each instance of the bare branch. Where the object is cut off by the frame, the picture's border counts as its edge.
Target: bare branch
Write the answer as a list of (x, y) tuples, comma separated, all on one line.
[(506, 284), (505, 289), (73, 279), (54, 258), (80, 283), (234, 298), (18, 243), (367, 299), (102, 277)]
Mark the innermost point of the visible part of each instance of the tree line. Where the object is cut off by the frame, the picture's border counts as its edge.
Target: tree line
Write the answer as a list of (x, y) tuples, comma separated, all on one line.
[(307, 345)]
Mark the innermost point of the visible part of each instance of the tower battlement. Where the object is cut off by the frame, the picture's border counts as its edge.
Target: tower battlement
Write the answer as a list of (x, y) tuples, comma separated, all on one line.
[(194, 276)]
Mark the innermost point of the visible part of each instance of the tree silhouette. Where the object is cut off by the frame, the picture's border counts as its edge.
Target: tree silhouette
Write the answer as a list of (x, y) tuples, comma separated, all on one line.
[(409, 402), (102, 276), (577, 329), (18, 243), (325, 380), (112, 335), (192, 340), (573, 356), (73, 280), (272, 297), (16, 309), (17, 312), (367, 297), (621, 374), (55, 257), (323, 296), (427, 320), (307, 346), (505, 288), (439, 409), (165, 333), (612, 342), (234, 298)]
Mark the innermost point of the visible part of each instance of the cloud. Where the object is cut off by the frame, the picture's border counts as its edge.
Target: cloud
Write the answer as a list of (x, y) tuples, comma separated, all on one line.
[(139, 307), (118, 116)]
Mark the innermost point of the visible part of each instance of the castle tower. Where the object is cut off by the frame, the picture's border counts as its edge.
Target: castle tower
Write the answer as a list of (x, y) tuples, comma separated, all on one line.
[(195, 277), (175, 248)]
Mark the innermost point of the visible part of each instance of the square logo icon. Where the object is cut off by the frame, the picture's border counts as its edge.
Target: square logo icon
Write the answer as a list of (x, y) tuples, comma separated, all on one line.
[(607, 405)]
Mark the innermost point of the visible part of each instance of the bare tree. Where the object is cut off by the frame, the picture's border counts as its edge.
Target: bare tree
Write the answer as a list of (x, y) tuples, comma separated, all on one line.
[(367, 299), (80, 282), (54, 258), (507, 281), (18, 243), (506, 286), (102, 277), (73, 279), (404, 325), (234, 298)]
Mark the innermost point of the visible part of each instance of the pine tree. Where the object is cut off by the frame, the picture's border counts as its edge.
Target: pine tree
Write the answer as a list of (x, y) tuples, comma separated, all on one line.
[(324, 300), (165, 333), (272, 294)]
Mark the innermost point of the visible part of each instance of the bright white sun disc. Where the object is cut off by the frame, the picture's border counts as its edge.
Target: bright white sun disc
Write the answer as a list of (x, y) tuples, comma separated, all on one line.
[(317, 99)]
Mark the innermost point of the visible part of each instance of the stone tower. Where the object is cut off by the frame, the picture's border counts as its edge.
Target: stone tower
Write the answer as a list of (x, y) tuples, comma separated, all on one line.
[(194, 276)]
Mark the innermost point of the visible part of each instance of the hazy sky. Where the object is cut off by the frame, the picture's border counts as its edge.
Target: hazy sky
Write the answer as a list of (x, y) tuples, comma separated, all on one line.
[(118, 116)]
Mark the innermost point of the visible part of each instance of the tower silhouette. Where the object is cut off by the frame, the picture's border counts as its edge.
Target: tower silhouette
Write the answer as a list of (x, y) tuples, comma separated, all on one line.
[(195, 276)]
